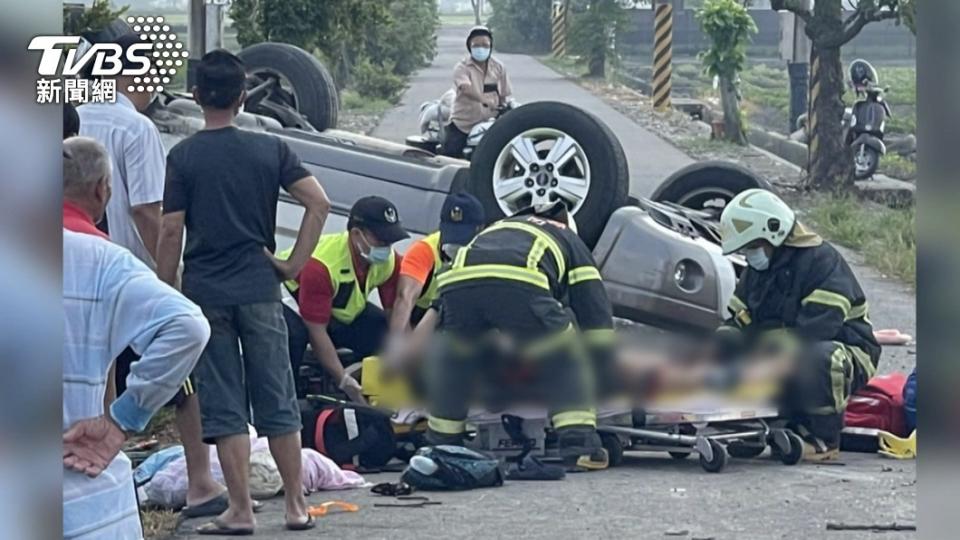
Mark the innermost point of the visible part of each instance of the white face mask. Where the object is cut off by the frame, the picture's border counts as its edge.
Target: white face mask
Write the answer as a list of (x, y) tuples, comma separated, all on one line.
[(757, 258), (480, 54)]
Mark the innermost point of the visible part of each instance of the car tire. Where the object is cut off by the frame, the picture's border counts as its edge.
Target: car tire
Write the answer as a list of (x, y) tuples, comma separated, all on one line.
[(608, 181), (708, 185), (312, 85)]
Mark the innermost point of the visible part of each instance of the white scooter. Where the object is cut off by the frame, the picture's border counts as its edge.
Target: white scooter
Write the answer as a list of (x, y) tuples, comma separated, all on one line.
[(435, 115)]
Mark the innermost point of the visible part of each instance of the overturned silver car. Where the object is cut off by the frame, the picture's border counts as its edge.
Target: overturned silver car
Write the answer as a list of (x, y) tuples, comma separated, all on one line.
[(659, 257)]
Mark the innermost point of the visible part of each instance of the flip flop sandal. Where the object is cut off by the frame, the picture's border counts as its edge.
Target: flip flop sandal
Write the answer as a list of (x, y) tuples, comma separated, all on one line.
[(305, 526), (216, 528), (214, 507)]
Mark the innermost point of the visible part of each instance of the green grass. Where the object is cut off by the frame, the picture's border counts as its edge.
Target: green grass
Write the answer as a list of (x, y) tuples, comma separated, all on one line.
[(350, 100), (898, 166), (885, 236), (766, 93)]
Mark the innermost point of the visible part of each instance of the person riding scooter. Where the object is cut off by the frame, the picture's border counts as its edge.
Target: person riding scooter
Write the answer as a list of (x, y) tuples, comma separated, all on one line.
[(482, 89), (797, 298)]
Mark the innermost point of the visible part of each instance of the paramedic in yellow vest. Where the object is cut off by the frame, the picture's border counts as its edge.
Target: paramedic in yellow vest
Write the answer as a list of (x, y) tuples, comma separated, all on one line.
[(461, 219), (333, 288)]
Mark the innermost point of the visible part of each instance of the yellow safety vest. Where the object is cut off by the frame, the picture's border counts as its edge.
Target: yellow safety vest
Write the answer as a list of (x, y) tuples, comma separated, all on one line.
[(429, 293), (333, 250)]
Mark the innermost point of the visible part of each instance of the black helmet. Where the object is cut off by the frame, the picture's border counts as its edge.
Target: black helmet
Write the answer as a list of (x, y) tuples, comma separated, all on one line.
[(479, 31)]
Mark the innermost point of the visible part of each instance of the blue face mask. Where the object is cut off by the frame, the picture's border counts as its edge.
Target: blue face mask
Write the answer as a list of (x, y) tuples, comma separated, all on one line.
[(377, 254), (480, 54), (757, 259)]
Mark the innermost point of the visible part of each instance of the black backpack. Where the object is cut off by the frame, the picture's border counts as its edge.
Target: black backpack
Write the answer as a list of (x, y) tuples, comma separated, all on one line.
[(349, 435)]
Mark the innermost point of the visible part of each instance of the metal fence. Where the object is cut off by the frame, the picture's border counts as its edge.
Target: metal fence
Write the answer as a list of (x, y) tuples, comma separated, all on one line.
[(880, 41)]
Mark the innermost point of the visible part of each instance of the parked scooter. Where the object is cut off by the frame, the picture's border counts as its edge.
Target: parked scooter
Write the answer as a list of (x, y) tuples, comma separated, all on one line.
[(867, 120)]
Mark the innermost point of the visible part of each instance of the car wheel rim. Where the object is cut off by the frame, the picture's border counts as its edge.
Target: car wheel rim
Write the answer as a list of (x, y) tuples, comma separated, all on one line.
[(285, 87), (540, 166), (710, 199)]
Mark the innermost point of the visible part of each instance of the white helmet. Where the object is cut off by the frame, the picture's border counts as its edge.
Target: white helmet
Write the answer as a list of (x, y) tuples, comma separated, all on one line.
[(755, 214)]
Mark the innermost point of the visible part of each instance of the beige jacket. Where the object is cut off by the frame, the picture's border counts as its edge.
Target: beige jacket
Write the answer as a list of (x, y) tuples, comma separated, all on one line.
[(471, 104)]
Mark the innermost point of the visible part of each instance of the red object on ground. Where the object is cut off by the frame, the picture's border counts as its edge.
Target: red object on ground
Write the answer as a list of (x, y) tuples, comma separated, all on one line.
[(879, 405)]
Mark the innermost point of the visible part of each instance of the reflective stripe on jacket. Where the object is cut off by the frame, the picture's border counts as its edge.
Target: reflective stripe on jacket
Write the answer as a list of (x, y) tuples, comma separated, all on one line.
[(529, 251), (429, 293), (333, 250)]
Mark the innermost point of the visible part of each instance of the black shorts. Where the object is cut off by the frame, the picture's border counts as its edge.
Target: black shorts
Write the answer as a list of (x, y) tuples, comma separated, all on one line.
[(128, 357)]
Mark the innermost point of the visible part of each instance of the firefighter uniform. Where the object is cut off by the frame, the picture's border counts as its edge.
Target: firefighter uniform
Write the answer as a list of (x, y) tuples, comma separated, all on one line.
[(810, 291), (510, 279)]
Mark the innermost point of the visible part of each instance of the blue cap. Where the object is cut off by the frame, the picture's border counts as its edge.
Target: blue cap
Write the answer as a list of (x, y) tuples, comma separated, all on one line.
[(461, 218)]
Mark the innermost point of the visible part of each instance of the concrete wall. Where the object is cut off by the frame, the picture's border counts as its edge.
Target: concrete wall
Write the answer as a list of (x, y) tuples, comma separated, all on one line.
[(877, 42)]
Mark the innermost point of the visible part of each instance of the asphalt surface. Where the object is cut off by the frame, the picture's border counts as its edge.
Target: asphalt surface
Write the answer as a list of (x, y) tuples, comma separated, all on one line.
[(651, 159), (650, 495)]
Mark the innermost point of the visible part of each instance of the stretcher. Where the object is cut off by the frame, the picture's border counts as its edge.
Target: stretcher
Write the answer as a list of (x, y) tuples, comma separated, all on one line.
[(713, 427), (713, 431)]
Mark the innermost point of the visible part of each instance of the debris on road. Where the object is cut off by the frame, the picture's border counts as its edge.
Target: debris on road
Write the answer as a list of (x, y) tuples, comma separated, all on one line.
[(875, 527)]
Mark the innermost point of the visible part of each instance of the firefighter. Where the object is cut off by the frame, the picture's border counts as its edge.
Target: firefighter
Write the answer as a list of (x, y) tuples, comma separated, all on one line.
[(331, 308), (509, 281), (797, 296)]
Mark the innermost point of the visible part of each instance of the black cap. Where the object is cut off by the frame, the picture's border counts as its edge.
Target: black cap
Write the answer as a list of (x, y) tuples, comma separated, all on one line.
[(461, 218), (378, 216)]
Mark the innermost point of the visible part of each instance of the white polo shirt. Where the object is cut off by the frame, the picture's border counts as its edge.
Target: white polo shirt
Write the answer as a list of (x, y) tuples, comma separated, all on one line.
[(139, 165)]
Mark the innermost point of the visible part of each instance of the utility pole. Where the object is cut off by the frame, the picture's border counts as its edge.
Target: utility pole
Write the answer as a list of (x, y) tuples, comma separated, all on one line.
[(205, 29), (795, 50)]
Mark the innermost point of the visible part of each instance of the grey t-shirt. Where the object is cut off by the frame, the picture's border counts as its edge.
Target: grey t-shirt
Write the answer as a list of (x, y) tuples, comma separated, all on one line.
[(228, 181)]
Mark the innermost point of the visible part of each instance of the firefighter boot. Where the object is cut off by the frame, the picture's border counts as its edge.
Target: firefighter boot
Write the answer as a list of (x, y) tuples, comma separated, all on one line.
[(580, 449)]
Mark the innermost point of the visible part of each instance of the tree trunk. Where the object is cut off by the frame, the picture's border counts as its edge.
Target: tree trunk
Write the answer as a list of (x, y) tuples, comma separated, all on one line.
[(476, 11), (732, 121), (831, 163), (597, 63)]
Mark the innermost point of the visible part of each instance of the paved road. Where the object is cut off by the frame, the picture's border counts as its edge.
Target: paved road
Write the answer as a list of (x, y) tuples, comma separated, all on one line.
[(651, 158), (651, 495)]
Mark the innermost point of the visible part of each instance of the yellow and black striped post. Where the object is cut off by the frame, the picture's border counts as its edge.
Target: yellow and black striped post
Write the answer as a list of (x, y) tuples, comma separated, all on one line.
[(559, 41), (662, 56), (814, 139)]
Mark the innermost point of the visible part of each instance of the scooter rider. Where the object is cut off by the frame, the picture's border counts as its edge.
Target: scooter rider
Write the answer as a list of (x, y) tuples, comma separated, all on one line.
[(509, 280), (482, 88), (799, 296), (331, 292)]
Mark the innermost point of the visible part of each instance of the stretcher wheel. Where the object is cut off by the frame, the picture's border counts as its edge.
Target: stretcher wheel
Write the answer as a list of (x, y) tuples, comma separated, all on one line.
[(742, 450), (796, 450), (614, 447), (719, 459), (679, 455)]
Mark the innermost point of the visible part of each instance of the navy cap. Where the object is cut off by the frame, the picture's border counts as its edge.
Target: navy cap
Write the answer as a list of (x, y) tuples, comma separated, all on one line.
[(378, 216), (462, 216)]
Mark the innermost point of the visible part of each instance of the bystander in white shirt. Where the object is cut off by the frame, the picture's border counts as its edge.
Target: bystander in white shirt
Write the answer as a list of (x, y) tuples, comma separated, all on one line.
[(112, 301), (139, 165)]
